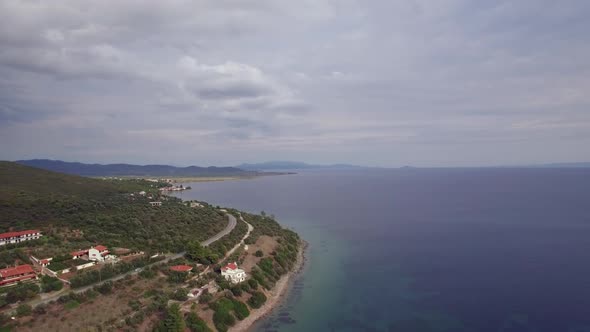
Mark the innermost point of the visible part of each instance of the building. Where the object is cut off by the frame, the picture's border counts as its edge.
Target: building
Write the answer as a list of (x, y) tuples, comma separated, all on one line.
[(181, 268), (17, 237), (96, 253), (232, 273), (15, 274), (156, 203), (45, 262), (78, 254)]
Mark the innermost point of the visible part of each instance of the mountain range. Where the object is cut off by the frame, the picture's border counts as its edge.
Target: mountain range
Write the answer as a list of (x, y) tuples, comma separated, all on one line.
[(82, 169), (294, 165)]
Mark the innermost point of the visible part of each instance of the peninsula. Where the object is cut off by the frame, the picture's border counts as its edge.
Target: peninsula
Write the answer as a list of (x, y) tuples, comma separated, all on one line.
[(91, 254)]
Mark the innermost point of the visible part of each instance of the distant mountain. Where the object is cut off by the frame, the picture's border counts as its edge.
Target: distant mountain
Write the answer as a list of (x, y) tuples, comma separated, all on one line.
[(565, 165), (293, 165), (132, 170)]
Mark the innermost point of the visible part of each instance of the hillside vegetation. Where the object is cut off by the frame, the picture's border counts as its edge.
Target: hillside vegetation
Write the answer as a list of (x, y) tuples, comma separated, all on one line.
[(75, 212), (133, 170)]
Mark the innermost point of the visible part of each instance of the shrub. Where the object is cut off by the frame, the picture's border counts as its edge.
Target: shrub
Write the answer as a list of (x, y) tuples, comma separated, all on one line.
[(72, 304), (257, 300), (236, 290), (253, 283), (259, 253), (205, 298), (24, 310)]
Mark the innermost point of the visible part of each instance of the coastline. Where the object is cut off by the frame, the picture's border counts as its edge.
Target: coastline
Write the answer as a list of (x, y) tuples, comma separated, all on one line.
[(277, 295)]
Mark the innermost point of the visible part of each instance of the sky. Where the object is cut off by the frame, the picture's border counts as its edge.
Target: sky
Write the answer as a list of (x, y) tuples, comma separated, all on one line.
[(220, 82)]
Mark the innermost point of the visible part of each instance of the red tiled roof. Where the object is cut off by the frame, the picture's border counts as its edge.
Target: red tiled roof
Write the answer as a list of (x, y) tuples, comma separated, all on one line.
[(15, 280), (19, 233), (79, 253), (181, 268), (230, 266), (15, 271), (100, 248), (44, 261)]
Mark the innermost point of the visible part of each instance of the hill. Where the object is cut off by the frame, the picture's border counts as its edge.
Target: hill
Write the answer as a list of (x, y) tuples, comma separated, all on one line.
[(133, 170), (16, 179), (75, 212)]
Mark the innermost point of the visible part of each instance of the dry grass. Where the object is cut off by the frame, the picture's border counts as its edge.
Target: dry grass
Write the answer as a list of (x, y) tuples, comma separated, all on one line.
[(92, 313), (266, 244)]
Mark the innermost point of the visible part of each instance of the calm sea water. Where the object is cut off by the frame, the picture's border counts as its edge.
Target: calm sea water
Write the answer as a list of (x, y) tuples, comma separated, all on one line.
[(429, 249)]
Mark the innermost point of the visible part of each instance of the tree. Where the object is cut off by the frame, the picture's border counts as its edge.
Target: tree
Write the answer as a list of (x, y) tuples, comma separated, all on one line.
[(257, 300), (198, 253), (241, 310), (196, 324), (49, 284), (258, 253), (180, 294), (174, 321)]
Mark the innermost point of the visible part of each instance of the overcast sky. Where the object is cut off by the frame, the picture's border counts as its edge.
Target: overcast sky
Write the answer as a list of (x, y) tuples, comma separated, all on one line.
[(384, 83)]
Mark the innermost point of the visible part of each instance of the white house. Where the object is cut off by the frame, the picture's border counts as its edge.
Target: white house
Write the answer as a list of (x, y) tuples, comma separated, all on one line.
[(232, 273), (97, 253), (94, 255), (156, 203), (17, 237)]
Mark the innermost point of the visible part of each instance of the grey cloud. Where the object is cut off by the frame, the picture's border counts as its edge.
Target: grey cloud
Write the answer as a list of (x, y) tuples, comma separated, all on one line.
[(396, 82)]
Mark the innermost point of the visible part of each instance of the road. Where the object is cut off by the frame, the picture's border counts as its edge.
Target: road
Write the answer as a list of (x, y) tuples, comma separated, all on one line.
[(54, 296), (185, 305), (230, 226)]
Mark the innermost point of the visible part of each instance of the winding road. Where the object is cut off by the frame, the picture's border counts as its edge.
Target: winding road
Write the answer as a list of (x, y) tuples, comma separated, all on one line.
[(54, 296)]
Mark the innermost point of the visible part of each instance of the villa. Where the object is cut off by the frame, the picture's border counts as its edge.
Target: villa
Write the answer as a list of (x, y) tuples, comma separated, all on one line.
[(17, 237), (94, 253), (232, 273)]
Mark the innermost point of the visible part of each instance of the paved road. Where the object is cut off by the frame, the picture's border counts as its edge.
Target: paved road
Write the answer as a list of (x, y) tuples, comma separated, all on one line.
[(230, 226), (51, 297)]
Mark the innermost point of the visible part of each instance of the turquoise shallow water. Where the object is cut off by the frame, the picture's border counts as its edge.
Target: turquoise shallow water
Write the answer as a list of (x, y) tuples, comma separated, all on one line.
[(429, 250)]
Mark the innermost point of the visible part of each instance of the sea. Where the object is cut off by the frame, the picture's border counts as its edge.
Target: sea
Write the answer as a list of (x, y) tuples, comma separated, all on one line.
[(417, 250)]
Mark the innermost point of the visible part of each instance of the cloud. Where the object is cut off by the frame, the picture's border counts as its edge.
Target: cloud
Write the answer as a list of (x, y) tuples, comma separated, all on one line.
[(380, 82)]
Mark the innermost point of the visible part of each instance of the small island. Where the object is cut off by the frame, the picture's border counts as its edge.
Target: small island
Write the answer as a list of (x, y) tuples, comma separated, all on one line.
[(119, 254)]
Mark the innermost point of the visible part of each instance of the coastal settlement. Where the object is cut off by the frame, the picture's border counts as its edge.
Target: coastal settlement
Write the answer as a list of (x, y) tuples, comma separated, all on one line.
[(211, 278)]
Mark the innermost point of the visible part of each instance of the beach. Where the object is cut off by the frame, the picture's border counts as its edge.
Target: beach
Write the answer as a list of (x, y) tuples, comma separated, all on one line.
[(276, 296)]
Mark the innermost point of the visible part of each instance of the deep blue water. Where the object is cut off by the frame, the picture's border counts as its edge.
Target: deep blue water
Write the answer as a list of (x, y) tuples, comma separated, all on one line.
[(430, 249)]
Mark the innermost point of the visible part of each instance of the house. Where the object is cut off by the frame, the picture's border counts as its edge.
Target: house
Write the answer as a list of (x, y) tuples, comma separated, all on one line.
[(142, 193), (181, 268), (232, 273), (94, 253), (17, 237), (45, 262), (17, 273), (156, 203)]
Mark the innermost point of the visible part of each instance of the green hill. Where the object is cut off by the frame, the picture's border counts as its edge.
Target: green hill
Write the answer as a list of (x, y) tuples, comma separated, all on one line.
[(16, 179), (75, 212)]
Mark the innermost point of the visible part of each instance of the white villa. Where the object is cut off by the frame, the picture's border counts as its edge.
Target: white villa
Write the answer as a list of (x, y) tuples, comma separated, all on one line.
[(232, 273)]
